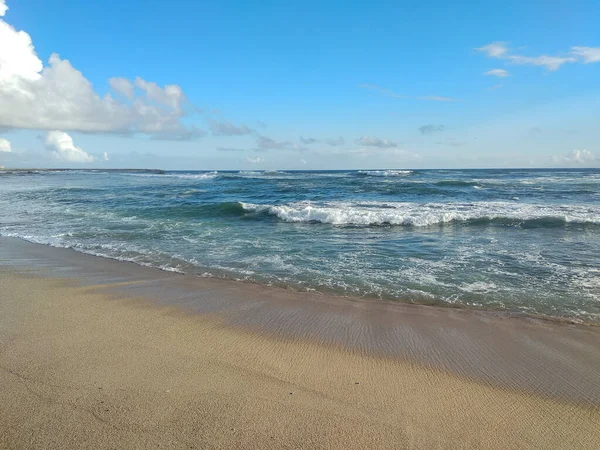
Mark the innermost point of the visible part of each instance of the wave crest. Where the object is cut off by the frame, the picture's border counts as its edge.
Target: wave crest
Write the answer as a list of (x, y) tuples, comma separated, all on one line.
[(385, 173), (420, 215)]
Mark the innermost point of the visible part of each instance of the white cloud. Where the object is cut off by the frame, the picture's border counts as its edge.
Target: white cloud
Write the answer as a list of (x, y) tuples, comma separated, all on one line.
[(580, 156), (5, 146), (372, 141), (58, 96), (499, 50), (225, 128), (3, 8), (266, 143), (587, 54), (63, 147), (256, 160), (122, 86), (551, 63), (501, 73), (494, 50), (105, 156)]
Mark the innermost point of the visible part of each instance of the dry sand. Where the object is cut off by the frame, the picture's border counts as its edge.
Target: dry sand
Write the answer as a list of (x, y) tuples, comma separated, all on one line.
[(83, 368)]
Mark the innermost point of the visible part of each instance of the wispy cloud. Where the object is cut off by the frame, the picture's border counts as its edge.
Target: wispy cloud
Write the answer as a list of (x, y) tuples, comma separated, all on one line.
[(372, 141), (265, 143), (494, 50), (431, 129), (501, 73), (389, 93), (335, 142), (587, 54), (499, 50), (230, 149), (452, 143), (226, 128)]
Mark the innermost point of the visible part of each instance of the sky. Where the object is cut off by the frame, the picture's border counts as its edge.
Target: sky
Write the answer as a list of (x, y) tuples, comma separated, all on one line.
[(231, 84)]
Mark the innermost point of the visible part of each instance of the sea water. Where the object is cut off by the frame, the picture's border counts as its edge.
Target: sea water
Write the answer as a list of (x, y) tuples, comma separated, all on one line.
[(519, 240)]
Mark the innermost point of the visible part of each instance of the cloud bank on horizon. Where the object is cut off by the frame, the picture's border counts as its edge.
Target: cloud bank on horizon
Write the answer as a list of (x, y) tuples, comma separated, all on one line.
[(60, 101)]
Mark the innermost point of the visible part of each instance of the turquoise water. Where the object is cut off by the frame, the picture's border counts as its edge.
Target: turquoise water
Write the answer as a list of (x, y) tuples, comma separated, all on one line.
[(522, 240)]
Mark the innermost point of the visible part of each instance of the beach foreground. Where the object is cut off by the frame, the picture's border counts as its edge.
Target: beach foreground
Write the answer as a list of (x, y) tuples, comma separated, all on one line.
[(83, 365)]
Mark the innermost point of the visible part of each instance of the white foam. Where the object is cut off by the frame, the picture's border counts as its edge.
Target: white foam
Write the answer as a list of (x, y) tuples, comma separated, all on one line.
[(418, 215), (385, 173), (183, 176)]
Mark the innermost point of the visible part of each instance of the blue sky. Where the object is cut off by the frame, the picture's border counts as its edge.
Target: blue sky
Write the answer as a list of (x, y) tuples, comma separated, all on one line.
[(301, 85)]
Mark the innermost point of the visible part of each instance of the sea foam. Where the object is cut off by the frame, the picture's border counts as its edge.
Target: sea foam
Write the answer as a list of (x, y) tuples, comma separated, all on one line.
[(419, 215)]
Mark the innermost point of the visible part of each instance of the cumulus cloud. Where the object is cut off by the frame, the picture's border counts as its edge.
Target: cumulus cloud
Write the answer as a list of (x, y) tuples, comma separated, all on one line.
[(372, 141), (5, 146), (105, 156), (63, 147), (3, 8), (58, 96), (501, 73), (389, 93), (431, 129), (335, 142), (225, 128), (580, 157), (500, 50), (122, 86)]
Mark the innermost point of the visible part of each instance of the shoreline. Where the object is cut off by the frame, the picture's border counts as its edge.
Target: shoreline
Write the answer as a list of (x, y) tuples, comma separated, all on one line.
[(506, 312), (490, 347), (84, 365)]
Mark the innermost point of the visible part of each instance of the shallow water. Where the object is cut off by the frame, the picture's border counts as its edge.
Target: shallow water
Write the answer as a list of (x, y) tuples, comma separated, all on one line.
[(524, 240)]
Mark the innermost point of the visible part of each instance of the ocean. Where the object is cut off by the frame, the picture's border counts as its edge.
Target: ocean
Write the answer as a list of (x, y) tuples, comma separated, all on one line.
[(526, 241)]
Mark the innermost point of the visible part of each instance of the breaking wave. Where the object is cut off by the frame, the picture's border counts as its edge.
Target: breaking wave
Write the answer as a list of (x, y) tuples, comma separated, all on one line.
[(385, 173), (420, 215)]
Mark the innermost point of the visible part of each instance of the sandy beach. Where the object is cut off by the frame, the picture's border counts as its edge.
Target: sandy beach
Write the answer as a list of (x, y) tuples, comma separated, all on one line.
[(119, 356)]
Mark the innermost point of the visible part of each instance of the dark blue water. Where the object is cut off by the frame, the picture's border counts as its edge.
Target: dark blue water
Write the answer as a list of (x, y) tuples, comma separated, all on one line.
[(526, 240)]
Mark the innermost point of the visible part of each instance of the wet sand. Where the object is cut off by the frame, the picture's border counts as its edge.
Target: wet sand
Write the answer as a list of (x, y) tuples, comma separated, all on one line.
[(104, 354)]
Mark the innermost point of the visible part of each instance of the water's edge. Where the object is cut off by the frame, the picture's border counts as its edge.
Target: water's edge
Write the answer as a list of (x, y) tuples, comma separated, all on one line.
[(368, 299)]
